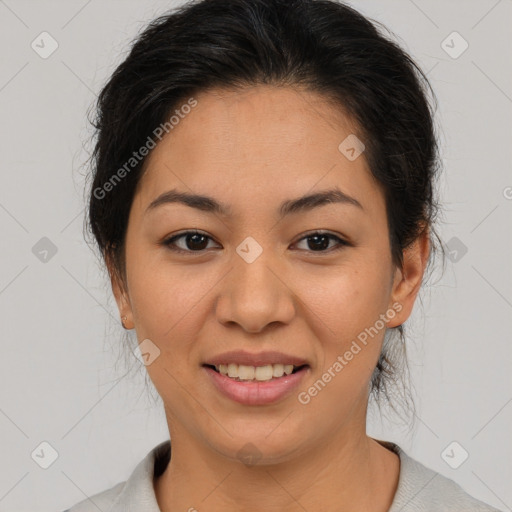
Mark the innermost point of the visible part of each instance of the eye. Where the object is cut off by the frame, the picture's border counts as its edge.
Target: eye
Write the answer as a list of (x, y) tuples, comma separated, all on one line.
[(194, 241), (318, 241)]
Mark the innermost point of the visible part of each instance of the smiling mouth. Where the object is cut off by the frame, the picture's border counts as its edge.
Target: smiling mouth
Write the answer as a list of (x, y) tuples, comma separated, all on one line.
[(242, 373)]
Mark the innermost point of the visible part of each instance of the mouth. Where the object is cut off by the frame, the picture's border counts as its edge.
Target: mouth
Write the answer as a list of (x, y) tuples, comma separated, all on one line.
[(256, 385)]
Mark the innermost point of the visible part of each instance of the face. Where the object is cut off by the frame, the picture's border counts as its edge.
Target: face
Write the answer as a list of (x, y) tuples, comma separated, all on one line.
[(310, 279)]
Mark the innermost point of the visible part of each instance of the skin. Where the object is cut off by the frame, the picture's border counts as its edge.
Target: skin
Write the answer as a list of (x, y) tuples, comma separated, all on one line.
[(253, 149)]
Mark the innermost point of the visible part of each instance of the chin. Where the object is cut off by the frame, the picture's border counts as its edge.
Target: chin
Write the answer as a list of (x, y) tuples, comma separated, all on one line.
[(259, 450)]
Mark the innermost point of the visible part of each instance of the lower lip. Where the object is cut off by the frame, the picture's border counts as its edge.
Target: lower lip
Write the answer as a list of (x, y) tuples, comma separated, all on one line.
[(256, 392)]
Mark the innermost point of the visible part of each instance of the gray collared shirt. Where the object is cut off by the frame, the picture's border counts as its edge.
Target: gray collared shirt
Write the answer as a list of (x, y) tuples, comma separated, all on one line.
[(420, 489)]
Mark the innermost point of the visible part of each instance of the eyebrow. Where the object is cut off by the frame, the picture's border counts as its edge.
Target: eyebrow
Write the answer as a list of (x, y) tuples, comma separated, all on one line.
[(211, 205)]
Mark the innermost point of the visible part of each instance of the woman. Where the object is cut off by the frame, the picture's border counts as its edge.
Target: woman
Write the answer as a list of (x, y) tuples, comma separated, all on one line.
[(263, 198)]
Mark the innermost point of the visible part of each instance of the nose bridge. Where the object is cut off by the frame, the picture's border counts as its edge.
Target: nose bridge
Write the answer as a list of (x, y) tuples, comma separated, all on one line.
[(254, 293)]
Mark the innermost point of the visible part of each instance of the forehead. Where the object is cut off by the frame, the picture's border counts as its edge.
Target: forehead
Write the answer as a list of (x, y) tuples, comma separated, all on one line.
[(256, 144)]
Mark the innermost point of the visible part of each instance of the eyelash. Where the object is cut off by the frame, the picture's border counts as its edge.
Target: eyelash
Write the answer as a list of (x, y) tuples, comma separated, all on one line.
[(170, 241)]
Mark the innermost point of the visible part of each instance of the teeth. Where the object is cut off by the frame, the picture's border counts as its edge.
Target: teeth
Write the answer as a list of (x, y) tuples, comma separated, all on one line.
[(260, 373), (278, 369)]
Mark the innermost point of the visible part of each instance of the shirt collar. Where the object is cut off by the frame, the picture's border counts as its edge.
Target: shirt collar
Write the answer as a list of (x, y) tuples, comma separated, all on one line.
[(138, 493)]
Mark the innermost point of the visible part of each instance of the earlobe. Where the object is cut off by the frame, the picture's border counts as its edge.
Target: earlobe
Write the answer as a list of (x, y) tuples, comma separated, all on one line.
[(407, 280), (123, 304), (121, 296)]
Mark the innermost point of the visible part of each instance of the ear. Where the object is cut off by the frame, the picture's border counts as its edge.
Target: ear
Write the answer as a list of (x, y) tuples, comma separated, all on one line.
[(120, 293), (407, 280)]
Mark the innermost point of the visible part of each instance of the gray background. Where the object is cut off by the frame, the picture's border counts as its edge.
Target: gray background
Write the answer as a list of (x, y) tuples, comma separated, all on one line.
[(63, 380)]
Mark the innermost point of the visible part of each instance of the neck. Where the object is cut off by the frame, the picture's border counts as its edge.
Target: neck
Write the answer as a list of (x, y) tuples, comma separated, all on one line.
[(352, 472)]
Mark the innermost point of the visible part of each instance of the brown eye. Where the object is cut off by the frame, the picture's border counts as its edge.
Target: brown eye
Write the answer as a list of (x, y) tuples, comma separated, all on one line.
[(319, 242), (191, 241)]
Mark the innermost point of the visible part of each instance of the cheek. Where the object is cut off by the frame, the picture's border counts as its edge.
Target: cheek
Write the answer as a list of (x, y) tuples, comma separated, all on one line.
[(162, 300), (161, 293), (166, 303), (350, 304), (347, 299)]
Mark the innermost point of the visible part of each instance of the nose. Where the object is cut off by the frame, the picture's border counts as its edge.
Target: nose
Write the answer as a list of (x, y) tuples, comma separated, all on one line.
[(254, 295)]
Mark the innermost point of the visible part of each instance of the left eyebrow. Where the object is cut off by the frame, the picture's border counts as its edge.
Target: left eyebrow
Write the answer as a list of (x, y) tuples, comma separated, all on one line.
[(307, 203), (211, 205)]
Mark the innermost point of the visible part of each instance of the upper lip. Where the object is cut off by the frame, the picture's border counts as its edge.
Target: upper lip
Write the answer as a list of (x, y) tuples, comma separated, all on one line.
[(255, 359)]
